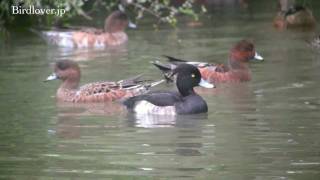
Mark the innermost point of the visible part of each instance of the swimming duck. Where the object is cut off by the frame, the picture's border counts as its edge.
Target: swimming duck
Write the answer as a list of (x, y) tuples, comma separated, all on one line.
[(293, 15), (69, 91), (237, 69), (112, 35), (185, 101)]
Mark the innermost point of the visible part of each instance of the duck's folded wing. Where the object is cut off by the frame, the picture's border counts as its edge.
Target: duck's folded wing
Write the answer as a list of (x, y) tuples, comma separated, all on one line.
[(107, 86), (101, 97), (133, 81), (98, 87), (100, 92), (77, 29), (111, 91), (83, 29), (155, 98)]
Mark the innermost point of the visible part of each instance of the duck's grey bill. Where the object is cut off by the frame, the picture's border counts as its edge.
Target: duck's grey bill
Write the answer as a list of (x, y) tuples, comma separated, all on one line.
[(206, 84), (258, 57), (132, 25), (53, 76)]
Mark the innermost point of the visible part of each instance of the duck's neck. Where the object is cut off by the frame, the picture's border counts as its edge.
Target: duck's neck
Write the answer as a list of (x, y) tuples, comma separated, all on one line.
[(237, 65), (183, 89), (113, 29), (186, 92), (70, 84)]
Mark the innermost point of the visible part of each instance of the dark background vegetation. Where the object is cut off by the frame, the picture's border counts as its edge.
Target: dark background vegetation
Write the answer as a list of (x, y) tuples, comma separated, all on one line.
[(167, 12)]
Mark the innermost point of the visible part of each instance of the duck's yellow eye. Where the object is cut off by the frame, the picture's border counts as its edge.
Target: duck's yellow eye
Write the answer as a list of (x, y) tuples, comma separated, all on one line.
[(192, 75)]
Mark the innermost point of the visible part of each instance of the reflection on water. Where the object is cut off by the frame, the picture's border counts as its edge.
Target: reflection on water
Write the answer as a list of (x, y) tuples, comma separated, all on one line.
[(264, 129), (90, 109), (154, 120), (86, 54), (158, 121), (68, 125)]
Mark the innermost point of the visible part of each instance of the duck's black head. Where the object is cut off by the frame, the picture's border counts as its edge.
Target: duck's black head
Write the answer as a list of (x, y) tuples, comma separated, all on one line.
[(188, 76)]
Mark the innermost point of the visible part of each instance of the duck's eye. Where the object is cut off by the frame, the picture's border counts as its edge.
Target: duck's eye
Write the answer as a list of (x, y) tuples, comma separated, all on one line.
[(192, 75)]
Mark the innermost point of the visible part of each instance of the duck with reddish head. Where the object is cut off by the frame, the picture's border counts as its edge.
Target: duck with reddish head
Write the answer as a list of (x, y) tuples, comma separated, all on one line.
[(112, 35), (69, 91), (237, 69), (185, 101), (292, 15)]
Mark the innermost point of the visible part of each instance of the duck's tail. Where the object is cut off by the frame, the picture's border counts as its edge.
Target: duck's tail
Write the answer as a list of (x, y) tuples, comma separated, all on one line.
[(176, 61), (166, 69), (132, 81), (163, 67), (138, 91), (138, 85)]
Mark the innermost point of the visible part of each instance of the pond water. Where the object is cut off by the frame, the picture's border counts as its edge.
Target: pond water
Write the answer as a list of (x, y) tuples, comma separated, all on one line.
[(265, 129)]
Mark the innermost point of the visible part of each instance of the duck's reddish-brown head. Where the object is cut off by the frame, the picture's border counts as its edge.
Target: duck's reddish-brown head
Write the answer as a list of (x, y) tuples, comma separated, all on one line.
[(244, 51), (117, 21), (68, 71)]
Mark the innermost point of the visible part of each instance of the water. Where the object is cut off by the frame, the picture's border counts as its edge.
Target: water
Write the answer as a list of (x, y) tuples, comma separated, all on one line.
[(265, 129)]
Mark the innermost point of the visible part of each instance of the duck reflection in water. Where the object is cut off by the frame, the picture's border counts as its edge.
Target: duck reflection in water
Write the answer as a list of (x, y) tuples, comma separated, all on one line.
[(164, 121), (79, 55), (69, 126)]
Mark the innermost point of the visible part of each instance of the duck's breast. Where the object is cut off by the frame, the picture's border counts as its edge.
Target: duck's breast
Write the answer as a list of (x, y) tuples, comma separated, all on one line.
[(100, 92), (192, 104), (115, 39), (65, 95)]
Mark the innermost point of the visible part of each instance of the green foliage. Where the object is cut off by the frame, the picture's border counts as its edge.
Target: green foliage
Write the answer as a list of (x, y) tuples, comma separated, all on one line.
[(304, 2), (164, 11), (72, 8)]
